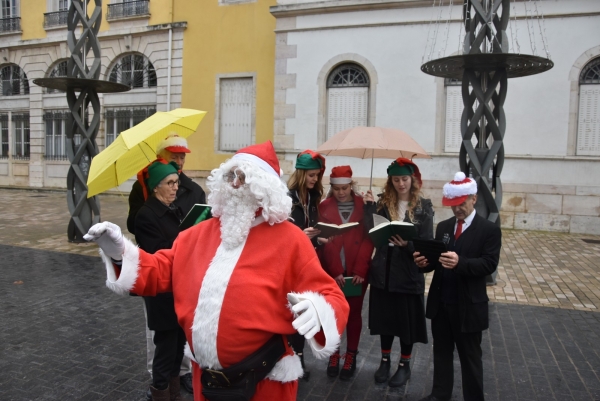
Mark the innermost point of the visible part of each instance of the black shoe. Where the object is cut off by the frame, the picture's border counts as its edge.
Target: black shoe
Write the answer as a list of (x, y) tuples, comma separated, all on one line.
[(401, 376), (383, 373), (186, 383), (349, 366), (305, 373), (333, 368), (148, 395)]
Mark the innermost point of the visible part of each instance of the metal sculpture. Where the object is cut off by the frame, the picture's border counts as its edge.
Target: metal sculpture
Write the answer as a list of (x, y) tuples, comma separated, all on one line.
[(82, 87), (484, 68)]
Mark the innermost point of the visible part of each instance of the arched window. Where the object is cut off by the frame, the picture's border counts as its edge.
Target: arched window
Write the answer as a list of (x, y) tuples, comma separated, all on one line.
[(13, 81), (59, 70), (347, 98), (135, 71), (588, 130)]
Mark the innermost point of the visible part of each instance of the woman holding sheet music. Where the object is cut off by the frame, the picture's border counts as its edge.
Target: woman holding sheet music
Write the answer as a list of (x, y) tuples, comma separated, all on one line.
[(346, 255), (306, 190), (156, 227), (396, 303)]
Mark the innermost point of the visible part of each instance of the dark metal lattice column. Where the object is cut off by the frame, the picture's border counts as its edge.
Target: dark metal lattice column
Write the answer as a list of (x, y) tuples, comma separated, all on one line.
[(82, 87), (484, 68)]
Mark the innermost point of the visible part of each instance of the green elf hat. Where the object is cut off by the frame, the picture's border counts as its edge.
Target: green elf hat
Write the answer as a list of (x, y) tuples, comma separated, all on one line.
[(403, 166), (309, 160), (157, 172)]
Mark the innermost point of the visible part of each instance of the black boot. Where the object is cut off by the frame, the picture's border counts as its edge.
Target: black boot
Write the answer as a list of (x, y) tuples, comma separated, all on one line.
[(349, 366), (306, 373), (333, 368), (383, 373), (402, 374)]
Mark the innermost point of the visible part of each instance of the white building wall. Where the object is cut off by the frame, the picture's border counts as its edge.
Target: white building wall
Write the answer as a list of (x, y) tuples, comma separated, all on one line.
[(541, 110)]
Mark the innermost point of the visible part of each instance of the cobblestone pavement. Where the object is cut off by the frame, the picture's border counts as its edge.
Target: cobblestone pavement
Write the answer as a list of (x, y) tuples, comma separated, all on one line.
[(65, 336)]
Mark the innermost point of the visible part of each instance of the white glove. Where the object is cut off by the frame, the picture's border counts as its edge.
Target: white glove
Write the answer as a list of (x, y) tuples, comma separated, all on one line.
[(109, 238), (307, 323)]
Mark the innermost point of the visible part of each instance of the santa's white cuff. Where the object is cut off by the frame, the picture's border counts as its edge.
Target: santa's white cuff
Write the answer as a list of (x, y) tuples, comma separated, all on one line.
[(129, 269), (327, 319)]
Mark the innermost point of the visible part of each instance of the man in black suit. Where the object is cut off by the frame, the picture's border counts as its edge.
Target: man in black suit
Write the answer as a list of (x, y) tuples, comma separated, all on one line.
[(457, 303)]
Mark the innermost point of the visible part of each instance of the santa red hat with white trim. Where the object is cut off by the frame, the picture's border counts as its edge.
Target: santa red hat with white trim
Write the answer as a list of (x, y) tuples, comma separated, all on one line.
[(174, 144), (263, 155), (340, 175), (457, 190)]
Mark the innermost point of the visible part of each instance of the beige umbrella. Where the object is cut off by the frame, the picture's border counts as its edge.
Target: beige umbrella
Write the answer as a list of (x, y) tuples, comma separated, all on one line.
[(373, 142)]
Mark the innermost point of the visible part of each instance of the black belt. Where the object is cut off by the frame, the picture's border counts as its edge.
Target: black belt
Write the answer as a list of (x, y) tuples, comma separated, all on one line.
[(241, 379)]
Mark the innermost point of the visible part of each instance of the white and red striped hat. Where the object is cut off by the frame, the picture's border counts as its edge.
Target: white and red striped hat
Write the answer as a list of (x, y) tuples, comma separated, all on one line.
[(174, 144), (457, 190), (340, 175)]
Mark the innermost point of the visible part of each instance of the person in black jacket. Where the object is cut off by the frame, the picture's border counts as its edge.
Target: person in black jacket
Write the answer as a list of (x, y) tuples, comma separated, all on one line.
[(306, 190), (457, 303), (173, 148), (397, 304), (157, 226)]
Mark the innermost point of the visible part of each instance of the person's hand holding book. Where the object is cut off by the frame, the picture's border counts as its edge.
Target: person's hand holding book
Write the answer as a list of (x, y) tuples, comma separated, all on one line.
[(398, 241)]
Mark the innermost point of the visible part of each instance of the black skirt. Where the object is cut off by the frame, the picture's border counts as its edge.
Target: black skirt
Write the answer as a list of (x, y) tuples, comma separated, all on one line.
[(399, 315)]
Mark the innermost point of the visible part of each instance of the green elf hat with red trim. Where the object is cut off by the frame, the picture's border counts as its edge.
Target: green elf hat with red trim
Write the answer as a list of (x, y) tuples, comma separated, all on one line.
[(309, 160), (404, 166)]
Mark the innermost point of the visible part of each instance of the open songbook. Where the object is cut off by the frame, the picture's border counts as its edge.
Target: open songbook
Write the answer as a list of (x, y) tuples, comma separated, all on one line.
[(384, 229), (330, 230), (199, 212)]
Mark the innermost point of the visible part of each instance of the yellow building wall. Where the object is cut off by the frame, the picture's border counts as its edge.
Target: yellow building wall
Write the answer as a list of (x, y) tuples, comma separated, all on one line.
[(32, 19), (223, 39)]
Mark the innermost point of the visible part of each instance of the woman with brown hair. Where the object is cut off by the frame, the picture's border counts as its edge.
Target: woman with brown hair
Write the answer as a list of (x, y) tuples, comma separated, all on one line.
[(306, 190), (396, 303)]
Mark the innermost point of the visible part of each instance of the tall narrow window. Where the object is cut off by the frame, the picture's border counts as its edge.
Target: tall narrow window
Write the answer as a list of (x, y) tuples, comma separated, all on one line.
[(56, 139), (347, 98), (454, 109), (20, 136), (588, 130), (236, 113), (119, 120), (3, 136), (135, 71), (13, 81)]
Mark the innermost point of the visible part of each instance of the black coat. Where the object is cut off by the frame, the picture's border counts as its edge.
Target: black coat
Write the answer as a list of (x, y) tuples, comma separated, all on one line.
[(478, 249), (188, 194), (404, 277), (157, 226), (298, 212)]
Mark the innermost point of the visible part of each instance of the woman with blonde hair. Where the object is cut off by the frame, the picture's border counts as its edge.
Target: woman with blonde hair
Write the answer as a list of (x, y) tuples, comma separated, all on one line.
[(306, 190), (396, 303)]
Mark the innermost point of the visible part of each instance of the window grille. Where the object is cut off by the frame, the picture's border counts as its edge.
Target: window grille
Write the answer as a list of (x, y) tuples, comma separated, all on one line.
[(236, 108), (588, 130), (4, 136), (13, 81), (135, 71), (128, 9), (59, 70), (21, 136), (56, 123), (9, 16), (347, 98), (119, 120)]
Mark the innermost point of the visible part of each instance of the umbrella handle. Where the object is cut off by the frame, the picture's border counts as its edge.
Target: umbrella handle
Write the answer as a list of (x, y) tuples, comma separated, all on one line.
[(371, 178)]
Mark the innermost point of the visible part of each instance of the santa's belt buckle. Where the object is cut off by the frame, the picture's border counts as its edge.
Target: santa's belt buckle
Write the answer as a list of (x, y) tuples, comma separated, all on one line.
[(219, 377)]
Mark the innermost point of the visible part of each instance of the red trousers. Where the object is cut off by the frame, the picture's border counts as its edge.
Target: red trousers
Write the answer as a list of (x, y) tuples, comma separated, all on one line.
[(354, 326)]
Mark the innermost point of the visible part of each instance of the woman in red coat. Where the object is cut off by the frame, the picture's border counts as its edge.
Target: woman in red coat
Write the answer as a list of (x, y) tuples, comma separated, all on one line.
[(346, 255)]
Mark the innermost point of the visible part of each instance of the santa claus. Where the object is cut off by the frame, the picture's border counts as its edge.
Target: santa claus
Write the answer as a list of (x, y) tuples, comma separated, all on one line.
[(242, 282)]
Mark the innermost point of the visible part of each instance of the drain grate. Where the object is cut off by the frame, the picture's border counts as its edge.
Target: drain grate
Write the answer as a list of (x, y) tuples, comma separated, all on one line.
[(591, 241), (38, 196)]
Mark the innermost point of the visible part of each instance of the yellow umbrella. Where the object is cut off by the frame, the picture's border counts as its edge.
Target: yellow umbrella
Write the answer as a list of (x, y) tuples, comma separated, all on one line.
[(136, 147)]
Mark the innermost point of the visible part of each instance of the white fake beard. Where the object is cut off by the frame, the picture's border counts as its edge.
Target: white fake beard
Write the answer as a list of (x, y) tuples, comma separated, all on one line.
[(239, 212)]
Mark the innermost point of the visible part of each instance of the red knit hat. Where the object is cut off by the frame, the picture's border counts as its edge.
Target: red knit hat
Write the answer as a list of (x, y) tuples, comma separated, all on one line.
[(263, 155), (341, 175), (174, 144), (457, 190)]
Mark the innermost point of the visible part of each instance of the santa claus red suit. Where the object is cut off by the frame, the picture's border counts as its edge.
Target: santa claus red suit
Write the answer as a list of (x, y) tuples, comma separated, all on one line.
[(230, 276)]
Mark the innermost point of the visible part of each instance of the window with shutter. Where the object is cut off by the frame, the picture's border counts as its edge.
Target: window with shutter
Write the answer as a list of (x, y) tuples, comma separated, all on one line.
[(588, 130), (347, 98), (454, 109), (236, 109)]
